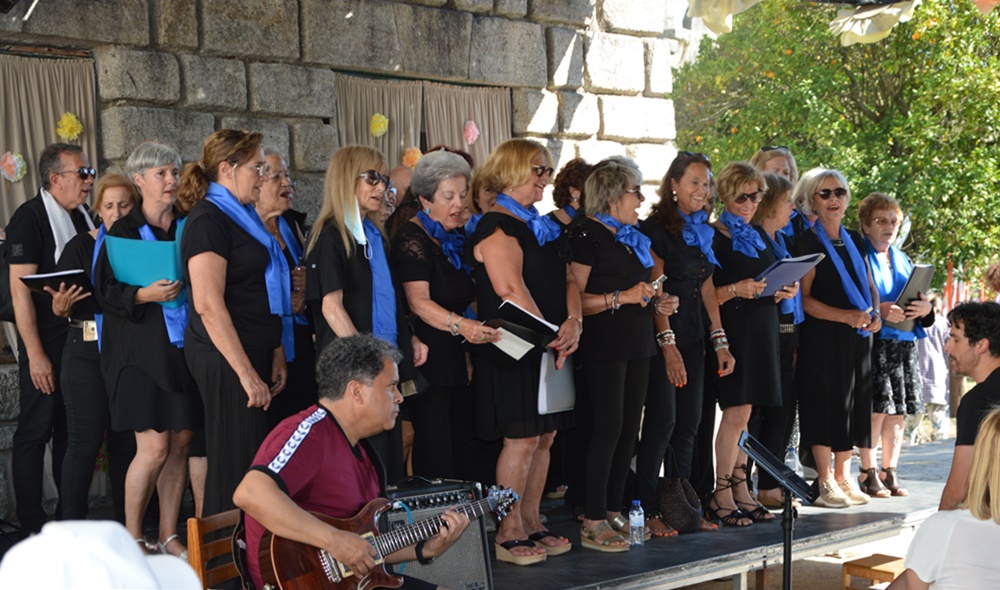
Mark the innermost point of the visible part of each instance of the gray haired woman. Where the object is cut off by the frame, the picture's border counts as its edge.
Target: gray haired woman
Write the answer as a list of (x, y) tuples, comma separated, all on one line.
[(427, 262)]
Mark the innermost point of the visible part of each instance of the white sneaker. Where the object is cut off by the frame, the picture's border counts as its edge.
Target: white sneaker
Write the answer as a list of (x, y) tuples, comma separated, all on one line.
[(831, 496), (853, 493)]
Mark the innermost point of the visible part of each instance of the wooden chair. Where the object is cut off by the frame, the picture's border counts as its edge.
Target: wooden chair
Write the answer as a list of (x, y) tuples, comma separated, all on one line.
[(219, 544)]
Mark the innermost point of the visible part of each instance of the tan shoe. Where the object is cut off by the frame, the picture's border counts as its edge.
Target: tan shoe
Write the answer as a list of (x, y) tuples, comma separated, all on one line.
[(851, 490), (831, 496)]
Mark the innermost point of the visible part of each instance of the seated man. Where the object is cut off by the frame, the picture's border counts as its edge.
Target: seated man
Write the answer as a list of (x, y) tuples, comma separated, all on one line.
[(319, 461), (973, 349)]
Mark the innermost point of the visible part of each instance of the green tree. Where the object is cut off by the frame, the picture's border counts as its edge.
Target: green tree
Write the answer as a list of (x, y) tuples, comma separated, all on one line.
[(916, 115)]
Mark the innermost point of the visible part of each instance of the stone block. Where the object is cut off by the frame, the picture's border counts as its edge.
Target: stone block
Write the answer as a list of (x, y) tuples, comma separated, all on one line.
[(637, 118), (434, 42), (137, 75), (284, 89), (175, 23), (659, 61), (653, 160), (7, 436), (615, 64), (474, 5), (123, 22), (571, 12), (308, 195), (567, 151), (351, 34), (511, 8), (262, 28), (312, 145), (565, 55), (275, 132), (579, 114), (643, 17), (593, 150), (213, 82), (10, 391), (507, 53), (124, 127), (534, 111)]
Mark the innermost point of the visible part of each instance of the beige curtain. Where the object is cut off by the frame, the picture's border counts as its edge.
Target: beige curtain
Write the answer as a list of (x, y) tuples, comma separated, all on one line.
[(447, 108), (360, 98), (34, 93)]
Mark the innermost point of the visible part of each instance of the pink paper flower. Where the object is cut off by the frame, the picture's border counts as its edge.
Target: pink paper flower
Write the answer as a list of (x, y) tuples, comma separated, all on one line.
[(471, 132), (411, 156), (12, 166)]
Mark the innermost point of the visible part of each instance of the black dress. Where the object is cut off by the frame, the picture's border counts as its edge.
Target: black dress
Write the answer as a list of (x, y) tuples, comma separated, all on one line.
[(833, 376), (752, 329), (442, 416), (508, 398)]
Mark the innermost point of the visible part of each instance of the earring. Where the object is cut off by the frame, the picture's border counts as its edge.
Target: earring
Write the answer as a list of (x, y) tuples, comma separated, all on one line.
[(675, 197), (427, 210)]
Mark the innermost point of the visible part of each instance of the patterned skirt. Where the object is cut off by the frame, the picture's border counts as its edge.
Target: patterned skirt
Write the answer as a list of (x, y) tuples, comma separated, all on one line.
[(895, 378)]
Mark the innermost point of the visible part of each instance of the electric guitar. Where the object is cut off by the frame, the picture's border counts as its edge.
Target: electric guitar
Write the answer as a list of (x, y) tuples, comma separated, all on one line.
[(290, 565)]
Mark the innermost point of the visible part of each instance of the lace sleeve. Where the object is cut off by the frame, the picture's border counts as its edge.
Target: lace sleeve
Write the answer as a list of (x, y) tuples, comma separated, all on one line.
[(411, 256)]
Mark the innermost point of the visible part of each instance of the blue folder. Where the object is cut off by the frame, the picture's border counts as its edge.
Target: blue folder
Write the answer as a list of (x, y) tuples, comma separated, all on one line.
[(143, 262)]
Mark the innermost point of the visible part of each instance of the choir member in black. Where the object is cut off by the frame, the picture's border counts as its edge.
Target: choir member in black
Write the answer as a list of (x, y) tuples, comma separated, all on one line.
[(682, 250), (567, 191), (427, 262), (349, 287), (773, 425), (514, 258), (611, 266), (479, 200), (241, 297), (776, 159), (274, 209), (834, 362), (84, 393), (752, 328), (151, 390)]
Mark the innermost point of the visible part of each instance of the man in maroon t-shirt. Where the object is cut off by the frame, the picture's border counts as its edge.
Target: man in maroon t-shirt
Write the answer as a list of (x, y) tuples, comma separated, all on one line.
[(318, 461)]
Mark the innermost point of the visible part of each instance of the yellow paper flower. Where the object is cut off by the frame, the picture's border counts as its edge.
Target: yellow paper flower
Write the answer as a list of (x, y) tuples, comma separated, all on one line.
[(378, 125), (69, 127), (411, 156)]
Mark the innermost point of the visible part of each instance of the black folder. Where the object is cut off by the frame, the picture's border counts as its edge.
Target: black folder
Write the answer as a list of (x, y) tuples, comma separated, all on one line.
[(38, 282), (521, 332), (919, 282)]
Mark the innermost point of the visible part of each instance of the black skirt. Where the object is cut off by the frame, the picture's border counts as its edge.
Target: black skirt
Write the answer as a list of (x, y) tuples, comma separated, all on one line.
[(139, 404)]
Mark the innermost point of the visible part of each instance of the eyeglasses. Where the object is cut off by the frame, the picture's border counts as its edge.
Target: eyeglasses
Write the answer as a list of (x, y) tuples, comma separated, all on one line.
[(262, 169), (373, 177), (698, 155), (84, 173), (390, 193), (771, 148), (754, 198), (886, 222), (839, 192), (541, 171), (634, 191), (278, 176)]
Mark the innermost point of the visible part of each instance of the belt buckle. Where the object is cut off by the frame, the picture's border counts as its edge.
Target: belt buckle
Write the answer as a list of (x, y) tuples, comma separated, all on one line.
[(90, 331)]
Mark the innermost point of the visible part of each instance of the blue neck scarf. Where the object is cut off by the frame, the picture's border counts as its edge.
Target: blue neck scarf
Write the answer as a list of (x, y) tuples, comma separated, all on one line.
[(794, 305), (470, 225), (545, 229), (860, 298), (276, 276), (890, 283), (98, 242), (746, 240), (292, 243), (383, 293), (451, 241), (175, 318), (630, 236), (697, 233), (569, 210)]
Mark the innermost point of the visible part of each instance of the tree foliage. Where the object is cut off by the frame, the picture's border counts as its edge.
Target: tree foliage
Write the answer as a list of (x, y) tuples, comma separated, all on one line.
[(916, 115)]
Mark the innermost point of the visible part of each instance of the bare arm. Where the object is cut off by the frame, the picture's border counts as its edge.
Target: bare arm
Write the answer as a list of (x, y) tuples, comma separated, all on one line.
[(595, 303), (504, 260), (418, 296), (336, 315), (821, 311), (908, 580), (42, 375), (727, 364), (957, 486), (208, 284)]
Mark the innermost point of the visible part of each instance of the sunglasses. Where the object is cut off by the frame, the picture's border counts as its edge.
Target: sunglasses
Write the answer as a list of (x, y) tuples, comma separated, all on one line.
[(541, 171), (634, 191), (84, 173), (373, 177), (771, 148), (694, 155), (754, 198), (826, 193)]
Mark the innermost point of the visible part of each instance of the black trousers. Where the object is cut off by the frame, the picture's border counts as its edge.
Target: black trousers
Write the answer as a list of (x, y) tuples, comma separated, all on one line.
[(773, 426), (616, 392), (689, 406), (657, 428), (41, 418), (432, 413)]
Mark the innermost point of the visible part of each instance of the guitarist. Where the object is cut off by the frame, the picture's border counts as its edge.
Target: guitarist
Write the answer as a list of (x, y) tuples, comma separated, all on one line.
[(319, 461)]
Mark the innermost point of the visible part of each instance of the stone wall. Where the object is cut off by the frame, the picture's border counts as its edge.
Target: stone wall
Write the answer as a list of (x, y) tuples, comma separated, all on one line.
[(588, 77)]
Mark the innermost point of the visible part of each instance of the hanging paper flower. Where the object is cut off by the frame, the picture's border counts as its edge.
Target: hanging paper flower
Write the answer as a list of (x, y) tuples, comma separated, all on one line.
[(471, 132), (378, 125), (12, 166), (69, 127), (411, 156)]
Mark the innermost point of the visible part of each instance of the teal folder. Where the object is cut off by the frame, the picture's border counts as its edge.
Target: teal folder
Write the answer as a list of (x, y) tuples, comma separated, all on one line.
[(143, 262)]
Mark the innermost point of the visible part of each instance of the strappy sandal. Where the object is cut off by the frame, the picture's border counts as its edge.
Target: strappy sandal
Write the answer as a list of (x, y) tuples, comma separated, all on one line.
[(504, 552), (143, 545), (579, 513), (175, 537), (621, 524), (658, 527), (552, 550), (871, 484), (589, 538), (892, 482), (756, 512), (727, 516)]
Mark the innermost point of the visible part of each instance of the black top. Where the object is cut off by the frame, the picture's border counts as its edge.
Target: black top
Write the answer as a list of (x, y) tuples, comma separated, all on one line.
[(627, 333), (416, 257), (687, 268), (209, 229), (827, 287), (30, 241), (735, 266), (975, 406), (134, 334), (79, 254)]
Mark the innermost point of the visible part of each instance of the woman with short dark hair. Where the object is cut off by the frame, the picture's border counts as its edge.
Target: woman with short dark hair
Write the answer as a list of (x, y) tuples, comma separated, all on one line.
[(567, 191)]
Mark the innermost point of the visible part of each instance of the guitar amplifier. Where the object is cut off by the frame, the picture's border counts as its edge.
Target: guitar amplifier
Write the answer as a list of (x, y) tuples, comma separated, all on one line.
[(466, 564)]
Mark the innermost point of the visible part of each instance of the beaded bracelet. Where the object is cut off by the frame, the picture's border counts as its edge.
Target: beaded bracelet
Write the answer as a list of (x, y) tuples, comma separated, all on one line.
[(666, 338), (615, 304), (724, 344)]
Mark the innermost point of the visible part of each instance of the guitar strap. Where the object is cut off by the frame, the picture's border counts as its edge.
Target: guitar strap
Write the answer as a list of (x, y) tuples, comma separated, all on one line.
[(239, 541)]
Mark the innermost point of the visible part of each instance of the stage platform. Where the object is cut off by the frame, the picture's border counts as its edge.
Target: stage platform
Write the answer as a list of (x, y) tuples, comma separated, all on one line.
[(736, 552)]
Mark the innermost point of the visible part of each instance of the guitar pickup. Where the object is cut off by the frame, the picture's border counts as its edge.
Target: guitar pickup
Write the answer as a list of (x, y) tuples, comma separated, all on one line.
[(337, 571)]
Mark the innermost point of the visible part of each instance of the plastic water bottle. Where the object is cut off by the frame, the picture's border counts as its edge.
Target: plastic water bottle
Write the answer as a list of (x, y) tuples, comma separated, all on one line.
[(636, 524), (792, 461)]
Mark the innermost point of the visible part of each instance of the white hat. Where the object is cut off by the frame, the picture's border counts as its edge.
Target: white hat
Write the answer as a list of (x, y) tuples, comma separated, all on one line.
[(90, 554)]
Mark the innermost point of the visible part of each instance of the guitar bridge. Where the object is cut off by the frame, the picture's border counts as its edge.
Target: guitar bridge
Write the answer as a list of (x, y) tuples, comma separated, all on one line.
[(336, 571)]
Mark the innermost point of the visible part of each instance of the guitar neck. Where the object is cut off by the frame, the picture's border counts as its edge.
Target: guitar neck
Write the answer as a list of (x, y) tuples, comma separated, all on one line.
[(405, 536)]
